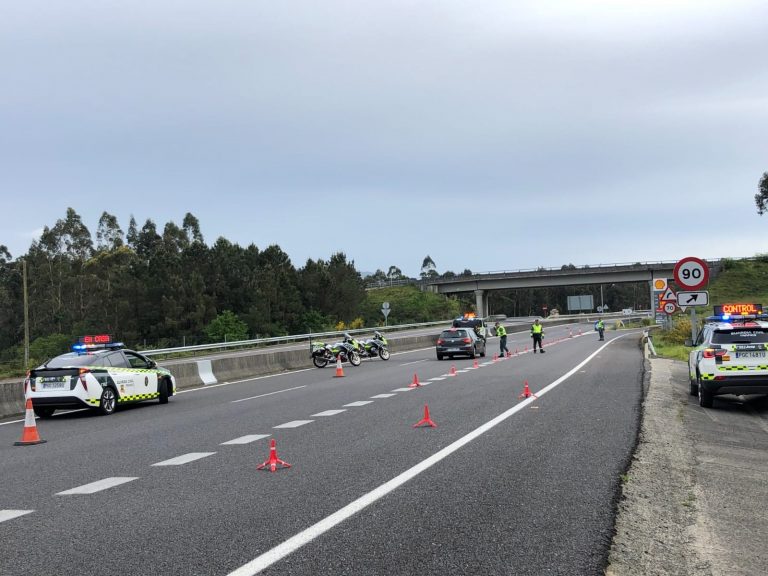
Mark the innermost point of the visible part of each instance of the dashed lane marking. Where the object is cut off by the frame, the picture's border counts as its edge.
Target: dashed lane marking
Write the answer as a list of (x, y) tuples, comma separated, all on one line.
[(184, 459), (11, 514), (383, 396), (294, 424), (329, 413), (414, 362), (358, 403), (402, 389), (98, 486), (246, 439), (438, 378), (268, 394)]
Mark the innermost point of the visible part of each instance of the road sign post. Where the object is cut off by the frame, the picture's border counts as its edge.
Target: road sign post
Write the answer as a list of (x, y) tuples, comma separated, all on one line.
[(385, 310)]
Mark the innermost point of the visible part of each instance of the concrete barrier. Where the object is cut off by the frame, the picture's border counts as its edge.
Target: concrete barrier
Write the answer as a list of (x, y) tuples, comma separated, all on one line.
[(11, 398)]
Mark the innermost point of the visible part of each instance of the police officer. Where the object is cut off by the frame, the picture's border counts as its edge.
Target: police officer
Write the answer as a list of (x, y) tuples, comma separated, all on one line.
[(600, 327), (537, 333), (501, 332)]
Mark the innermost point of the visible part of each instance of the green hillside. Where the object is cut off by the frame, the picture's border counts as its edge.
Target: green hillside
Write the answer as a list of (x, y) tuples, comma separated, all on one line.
[(740, 281)]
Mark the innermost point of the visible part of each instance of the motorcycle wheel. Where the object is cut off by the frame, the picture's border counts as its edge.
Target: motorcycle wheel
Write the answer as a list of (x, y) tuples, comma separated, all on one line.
[(319, 361), (354, 359), (384, 354)]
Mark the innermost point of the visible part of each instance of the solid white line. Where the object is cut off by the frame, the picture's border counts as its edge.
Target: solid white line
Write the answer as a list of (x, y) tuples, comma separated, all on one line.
[(97, 486), (268, 394), (304, 537), (184, 459), (294, 424), (11, 514), (383, 396), (358, 403), (438, 378), (402, 389), (414, 362), (246, 439), (329, 413)]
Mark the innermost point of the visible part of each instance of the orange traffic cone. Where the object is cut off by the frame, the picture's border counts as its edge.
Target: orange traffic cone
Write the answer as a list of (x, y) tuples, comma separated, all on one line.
[(475, 364), (339, 369), (527, 392), (415, 382), (426, 420), (29, 436), (453, 371), (273, 461), (495, 357)]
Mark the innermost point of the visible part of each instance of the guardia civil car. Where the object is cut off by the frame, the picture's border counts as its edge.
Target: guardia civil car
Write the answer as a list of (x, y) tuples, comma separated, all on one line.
[(100, 376), (730, 357)]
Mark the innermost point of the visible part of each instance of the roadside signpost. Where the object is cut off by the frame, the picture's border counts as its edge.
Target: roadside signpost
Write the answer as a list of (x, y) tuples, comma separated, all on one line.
[(691, 274), (385, 310)]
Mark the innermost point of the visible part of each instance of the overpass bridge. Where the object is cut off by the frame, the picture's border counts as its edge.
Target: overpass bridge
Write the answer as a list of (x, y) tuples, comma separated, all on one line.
[(484, 282)]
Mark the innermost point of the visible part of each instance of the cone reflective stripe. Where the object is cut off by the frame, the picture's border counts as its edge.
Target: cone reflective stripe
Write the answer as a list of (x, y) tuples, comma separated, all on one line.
[(29, 435), (339, 369), (415, 382), (426, 421), (273, 461)]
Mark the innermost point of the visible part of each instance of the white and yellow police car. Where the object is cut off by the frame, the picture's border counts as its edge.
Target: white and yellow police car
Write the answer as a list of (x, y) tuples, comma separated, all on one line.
[(98, 374), (730, 354)]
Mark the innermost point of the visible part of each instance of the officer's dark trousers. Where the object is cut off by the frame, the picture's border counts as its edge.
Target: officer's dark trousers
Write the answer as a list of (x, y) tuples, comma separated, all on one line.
[(537, 340), (503, 345)]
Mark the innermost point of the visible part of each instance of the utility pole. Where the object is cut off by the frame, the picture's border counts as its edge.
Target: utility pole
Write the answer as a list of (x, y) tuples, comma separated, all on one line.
[(26, 314)]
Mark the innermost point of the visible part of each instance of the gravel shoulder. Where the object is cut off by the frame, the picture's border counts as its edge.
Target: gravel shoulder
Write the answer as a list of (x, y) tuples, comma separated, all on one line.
[(694, 497)]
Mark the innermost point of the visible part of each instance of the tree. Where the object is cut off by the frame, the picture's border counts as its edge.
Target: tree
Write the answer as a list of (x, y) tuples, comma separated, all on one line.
[(428, 268), (109, 235), (226, 327), (761, 198), (394, 273)]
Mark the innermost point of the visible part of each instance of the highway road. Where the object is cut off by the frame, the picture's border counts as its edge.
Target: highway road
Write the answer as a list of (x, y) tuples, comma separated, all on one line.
[(502, 485)]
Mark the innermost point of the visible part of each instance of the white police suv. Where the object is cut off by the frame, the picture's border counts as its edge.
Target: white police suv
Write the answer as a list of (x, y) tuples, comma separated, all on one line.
[(98, 374), (730, 354)]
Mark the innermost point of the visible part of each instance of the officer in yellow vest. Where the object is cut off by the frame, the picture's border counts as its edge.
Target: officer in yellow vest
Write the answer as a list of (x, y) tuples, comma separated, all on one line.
[(537, 333), (501, 332)]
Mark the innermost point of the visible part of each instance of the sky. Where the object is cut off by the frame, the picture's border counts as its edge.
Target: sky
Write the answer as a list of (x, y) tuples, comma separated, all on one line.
[(496, 135)]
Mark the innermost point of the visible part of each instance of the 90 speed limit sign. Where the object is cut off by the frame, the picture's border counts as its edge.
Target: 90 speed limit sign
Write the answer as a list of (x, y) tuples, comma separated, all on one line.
[(691, 273)]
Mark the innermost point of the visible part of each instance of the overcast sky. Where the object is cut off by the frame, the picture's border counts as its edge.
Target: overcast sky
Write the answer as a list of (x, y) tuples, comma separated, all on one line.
[(494, 135)]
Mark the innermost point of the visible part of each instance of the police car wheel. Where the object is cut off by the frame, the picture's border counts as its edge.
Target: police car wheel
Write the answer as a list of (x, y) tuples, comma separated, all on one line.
[(693, 387), (163, 390), (706, 397), (43, 411), (108, 401)]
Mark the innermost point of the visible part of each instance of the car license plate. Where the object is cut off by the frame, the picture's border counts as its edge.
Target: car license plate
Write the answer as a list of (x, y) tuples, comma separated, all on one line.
[(750, 354), (53, 385)]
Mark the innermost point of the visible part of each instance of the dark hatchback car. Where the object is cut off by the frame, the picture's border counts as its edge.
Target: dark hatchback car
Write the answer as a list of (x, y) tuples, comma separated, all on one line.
[(459, 342)]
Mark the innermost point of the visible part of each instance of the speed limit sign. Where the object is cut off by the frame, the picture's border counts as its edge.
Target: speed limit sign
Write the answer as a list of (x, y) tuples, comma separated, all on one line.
[(691, 273), (670, 307)]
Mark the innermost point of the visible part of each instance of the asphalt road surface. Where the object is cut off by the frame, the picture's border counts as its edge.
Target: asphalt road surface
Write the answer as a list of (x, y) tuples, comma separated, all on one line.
[(502, 485)]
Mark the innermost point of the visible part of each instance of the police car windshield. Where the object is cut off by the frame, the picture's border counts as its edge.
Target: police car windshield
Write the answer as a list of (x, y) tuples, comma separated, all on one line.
[(750, 335), (71, 359)]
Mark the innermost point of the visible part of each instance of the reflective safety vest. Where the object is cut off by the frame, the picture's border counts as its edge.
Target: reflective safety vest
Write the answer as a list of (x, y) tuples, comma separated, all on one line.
[(501, 331), (537, 329)]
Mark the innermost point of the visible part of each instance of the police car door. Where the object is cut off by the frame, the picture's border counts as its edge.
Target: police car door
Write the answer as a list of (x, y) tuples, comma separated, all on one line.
[(144, 376), (120, 374)]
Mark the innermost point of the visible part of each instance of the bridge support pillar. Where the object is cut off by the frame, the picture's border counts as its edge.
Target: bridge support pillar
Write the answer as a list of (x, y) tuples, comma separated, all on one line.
[(481, 303)]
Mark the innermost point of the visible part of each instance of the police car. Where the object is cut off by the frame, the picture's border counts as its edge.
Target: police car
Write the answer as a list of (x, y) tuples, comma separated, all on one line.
[(730, 354), (98, 374)]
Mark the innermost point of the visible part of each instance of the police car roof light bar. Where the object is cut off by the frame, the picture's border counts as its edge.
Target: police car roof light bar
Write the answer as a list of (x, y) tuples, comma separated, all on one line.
[(85, 348)]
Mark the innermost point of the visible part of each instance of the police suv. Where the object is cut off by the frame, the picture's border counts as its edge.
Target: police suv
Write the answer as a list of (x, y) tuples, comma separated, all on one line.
[(98, 374), (730, 354)]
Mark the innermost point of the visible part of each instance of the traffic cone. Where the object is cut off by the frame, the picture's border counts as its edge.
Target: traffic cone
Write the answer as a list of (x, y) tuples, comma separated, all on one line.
[(415, 383), (426, 420), (29, 436), (509, 354), (475, 364), (527, 392), (453, 371), (339, 369), (273, 460), (526, 348), (495, 357)]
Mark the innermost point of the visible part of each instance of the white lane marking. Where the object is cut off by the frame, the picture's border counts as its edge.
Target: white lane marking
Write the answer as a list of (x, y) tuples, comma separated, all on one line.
[(268, 394), (305, 536), (402, 389), (358, 403), (98, 486), (329, 413), (11, 514), (438, 378), (184, 459), (414, 362), (294, 424), (246, 439), (383, 396)]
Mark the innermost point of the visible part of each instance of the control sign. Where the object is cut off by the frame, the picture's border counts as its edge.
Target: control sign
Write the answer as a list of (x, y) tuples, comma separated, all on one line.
[(738, 309), (691, 273)]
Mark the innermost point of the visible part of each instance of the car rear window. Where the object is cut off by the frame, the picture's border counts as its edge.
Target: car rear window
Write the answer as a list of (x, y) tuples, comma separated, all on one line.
[(454, 334), (73, 359), (741, 336)]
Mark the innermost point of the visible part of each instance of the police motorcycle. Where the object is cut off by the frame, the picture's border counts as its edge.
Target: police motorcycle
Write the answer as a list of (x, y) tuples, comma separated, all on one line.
[(376, 346), (347, 350)]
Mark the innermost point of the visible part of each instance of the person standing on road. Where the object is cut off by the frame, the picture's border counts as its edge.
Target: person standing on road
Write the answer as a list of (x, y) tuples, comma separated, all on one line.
[(537, 333), (600, 327), (501, 332)]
